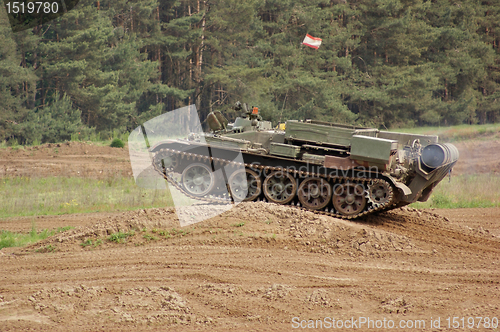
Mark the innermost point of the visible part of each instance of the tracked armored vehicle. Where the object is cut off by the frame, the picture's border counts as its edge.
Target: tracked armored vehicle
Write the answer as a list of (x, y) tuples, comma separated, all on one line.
[(339, 170)]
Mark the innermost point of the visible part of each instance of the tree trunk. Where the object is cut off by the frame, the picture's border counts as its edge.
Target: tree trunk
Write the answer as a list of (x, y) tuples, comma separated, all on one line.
[(200, 58)]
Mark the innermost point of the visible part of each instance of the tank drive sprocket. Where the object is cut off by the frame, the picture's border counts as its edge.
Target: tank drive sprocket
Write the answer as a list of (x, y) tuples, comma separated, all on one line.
[(379, 193)]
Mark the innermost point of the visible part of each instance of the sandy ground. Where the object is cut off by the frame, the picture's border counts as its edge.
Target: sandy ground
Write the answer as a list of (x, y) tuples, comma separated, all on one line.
[(65, 159), (257, 267)]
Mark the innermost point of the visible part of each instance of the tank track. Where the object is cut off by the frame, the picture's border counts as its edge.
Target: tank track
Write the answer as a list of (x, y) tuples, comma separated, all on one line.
[(387, 203)]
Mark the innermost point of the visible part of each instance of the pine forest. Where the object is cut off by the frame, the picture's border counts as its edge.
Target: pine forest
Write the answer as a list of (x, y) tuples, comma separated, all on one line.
[(109, 65)]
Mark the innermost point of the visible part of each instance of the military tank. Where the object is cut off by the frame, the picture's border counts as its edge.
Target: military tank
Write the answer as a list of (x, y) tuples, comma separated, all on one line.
[(335, 169)]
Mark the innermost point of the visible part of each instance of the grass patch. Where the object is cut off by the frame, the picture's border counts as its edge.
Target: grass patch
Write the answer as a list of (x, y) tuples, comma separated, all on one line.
[(457, 133), (25, 196), (166, 234), (120, 236), (11, 239), (149, 237), (174, 232), (465, 191), (91, 243)]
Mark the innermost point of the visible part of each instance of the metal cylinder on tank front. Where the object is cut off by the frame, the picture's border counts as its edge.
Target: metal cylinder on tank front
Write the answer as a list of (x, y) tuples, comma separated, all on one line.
[(435, 155)]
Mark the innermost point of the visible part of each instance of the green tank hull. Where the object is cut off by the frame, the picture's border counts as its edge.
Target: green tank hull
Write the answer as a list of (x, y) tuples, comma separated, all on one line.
[(333, 169)]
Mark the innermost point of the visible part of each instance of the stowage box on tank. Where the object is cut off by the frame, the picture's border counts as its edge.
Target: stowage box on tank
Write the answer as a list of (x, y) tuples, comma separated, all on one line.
[(372, 149)]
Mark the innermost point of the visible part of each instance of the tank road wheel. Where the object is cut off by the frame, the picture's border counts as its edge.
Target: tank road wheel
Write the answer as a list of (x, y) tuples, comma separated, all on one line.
[(279, 187), (379, 192), (315, 193), (245, 185), (349, 198), (198, 179)]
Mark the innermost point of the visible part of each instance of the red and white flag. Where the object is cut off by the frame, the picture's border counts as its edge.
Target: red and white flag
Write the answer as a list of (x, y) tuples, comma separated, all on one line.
[(312, 41)]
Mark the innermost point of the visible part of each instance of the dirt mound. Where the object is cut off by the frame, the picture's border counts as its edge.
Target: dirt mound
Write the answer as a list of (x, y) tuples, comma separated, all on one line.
[(328, 233), (121, 223), (259, 224), (252, 268), (247, 224)]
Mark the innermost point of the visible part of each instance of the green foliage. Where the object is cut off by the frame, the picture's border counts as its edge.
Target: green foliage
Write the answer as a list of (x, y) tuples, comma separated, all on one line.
[(17, 78), (12, 239), (441, 200), (54, 123), (388, 63), (86, 243), (91, 243), (117, 143), (119, 237), (149, 237)]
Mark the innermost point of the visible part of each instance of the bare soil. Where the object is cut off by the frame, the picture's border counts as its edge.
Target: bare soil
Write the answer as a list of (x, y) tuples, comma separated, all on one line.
[(253, 268), (65, 159), (478, 157)]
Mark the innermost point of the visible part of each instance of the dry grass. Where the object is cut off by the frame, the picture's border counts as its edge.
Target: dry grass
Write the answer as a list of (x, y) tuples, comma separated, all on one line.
[(25, 196), (465, 191), (457, 133)]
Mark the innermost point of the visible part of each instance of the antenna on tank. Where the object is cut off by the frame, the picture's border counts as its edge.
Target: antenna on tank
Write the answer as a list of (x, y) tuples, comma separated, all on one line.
[(282, 108)]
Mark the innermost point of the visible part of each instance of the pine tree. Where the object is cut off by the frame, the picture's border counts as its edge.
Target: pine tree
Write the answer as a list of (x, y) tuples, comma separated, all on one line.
[(384, 63), (52, 123), (17, 79)]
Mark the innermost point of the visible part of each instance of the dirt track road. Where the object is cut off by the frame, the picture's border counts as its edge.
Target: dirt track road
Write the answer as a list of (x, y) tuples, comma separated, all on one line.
[(281, 264), (253, 268)]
